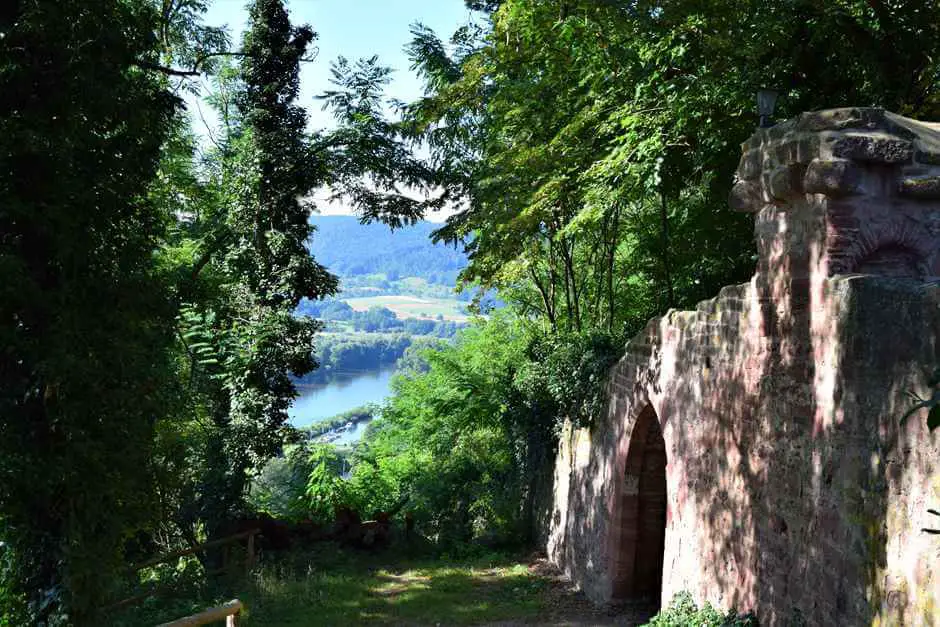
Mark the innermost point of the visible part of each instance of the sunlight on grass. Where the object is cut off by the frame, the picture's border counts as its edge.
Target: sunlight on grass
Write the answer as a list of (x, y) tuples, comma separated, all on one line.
[(353, 592)]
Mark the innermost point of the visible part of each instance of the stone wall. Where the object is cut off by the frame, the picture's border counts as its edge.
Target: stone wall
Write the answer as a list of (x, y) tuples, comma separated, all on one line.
[(789, 487)]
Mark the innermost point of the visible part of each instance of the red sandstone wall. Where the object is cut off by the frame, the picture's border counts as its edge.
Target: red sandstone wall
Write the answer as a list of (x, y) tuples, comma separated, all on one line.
[(790, 488)]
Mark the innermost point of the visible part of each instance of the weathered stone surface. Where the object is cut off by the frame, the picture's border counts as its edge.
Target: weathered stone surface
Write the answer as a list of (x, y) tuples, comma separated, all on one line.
[(784, 182), (873, 148), (927, 156), (789, 486), (835, 177), (745, 197), (750, 166)]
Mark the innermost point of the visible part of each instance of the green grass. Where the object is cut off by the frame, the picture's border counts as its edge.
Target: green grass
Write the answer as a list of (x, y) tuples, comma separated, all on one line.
[(314, 591), (413, 306), (328, 585)]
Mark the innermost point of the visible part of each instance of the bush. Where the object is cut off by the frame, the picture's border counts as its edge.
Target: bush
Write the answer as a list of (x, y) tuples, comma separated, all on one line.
[(683, 612), (279, 489), (572, 369)]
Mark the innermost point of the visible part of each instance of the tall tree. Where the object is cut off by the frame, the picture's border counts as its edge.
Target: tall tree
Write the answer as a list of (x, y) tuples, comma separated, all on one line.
[(84, 321), (256, 342)]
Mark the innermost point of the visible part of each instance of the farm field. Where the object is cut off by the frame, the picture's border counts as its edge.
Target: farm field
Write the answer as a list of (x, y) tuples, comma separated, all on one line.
[(413, 307)]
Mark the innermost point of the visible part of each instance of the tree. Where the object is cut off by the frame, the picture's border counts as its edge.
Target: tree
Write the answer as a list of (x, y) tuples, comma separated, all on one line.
[(371, 164), (249, 341), (593, 142), (590, 146), (85, 320)]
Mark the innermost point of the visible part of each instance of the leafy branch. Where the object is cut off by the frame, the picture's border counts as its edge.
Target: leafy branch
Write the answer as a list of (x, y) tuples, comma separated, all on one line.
[(932, 403)]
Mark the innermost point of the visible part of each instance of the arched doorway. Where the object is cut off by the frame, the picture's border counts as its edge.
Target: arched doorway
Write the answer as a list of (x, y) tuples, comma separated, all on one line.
[(638, 559)]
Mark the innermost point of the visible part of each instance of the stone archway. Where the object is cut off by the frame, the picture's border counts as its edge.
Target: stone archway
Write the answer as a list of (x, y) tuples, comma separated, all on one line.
[(641, 516)]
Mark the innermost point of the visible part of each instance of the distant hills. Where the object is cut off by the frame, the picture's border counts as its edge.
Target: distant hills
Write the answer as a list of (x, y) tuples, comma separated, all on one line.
[(351, 249)]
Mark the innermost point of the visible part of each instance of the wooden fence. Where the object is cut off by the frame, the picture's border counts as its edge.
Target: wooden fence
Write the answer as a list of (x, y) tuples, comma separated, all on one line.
[(230, 611), (213, 614), (249, 561)]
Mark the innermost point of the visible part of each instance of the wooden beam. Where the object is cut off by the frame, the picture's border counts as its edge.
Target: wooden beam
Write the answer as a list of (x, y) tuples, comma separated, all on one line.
[(195, 549), (230, 611)]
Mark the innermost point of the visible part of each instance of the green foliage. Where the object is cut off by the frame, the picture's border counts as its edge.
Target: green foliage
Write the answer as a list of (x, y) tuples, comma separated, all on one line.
[(932, 404), (593, 143), (240, 252), (84, 317), (683, 612), (279, 488), (326, 489), (370, 160), (445, 440), (471, 424), (572, 369)]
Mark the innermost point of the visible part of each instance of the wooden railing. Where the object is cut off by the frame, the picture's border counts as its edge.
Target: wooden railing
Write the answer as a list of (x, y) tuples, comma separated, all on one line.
[(230, 611), (249, 563)]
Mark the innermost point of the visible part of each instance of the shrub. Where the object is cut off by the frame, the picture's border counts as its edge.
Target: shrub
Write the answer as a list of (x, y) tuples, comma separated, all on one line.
[(683, 612)]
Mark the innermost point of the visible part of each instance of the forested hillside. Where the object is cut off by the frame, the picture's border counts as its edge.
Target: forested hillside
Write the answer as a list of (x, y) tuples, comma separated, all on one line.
[(399, 281), (159, 262), (349, 248)]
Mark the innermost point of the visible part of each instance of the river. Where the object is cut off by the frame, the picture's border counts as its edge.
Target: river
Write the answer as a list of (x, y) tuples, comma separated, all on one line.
[(322, 401)]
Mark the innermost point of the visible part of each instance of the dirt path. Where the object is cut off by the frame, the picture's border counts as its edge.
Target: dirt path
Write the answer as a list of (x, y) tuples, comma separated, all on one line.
[(564, 606)]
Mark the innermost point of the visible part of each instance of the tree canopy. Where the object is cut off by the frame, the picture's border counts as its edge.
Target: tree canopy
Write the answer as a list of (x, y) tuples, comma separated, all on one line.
[(155, 276)]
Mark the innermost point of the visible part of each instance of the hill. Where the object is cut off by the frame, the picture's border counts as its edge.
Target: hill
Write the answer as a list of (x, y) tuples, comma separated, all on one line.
[(351, 249)]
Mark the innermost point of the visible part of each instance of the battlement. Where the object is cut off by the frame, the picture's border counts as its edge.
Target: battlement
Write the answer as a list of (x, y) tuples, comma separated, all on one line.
[(842, 191), (752, 452)]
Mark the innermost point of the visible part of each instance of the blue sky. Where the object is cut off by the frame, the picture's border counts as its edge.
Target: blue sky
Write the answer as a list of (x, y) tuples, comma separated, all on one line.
[(354, 29)]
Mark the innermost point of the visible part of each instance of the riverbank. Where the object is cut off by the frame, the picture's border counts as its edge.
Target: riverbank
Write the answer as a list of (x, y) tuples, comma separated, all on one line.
[(341, 426), (345, 393)]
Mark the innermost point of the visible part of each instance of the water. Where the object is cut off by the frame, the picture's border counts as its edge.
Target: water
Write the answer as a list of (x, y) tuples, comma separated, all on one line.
[(322, 401)]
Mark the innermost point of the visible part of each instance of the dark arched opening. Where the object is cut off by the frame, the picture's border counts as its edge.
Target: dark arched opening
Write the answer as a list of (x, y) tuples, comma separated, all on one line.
[(892, 260), (638, 562)]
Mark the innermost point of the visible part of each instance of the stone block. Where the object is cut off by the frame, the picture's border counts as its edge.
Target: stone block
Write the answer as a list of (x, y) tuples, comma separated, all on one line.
[(873, 148), (746, 197), (749, 167), (836, 177)]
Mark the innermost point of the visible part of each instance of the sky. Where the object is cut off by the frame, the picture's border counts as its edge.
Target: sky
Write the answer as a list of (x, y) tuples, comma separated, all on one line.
[(353, 29)]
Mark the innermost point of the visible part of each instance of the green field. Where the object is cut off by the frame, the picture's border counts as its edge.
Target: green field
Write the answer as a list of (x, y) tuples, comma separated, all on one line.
[(413, 307)]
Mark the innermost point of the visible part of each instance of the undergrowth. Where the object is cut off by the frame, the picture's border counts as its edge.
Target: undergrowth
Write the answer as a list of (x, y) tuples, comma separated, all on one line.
[(683, 612)]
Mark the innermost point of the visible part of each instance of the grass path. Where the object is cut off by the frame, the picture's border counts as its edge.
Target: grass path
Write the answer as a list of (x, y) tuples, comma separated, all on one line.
[(329, 586), (349, 588)]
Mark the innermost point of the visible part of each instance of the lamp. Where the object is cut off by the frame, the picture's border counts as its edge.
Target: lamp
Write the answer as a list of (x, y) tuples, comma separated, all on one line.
[(766, 102)]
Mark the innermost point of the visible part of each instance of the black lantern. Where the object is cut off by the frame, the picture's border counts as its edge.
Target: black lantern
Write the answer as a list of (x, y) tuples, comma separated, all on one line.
[(766, 102)]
